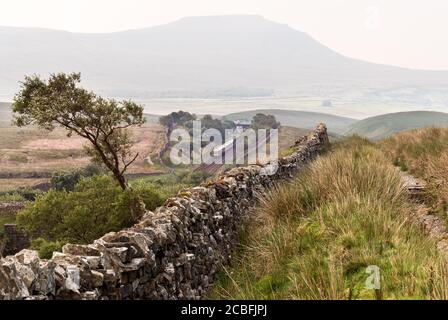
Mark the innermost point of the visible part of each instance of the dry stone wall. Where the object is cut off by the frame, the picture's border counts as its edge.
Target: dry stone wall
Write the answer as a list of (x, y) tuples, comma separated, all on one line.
[(14, 240), (10, 208), (172, 253)]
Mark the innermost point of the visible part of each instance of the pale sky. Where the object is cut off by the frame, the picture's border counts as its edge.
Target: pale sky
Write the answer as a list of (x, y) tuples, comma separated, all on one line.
[(408, 33)]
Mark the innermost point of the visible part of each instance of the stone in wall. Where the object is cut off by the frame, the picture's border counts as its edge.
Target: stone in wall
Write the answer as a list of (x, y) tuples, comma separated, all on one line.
[(174, 252)]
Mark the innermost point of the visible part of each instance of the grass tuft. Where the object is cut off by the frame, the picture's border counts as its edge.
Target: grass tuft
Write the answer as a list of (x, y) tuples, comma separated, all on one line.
[(424, 153)]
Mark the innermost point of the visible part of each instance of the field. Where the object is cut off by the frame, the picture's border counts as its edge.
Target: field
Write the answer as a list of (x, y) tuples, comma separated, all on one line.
[(28, 156)]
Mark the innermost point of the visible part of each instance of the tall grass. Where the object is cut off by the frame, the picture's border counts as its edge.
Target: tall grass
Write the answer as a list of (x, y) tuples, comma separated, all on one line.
[(424, 153), (313, 238)]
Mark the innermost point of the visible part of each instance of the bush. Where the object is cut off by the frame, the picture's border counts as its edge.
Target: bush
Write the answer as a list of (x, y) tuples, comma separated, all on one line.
[(21, 194), (208, 122), (96, 206), (67, 180), (155, 192), (5, 219), (262, 121), (29, 194), (176, 118), (195, 177), (150, 194), (13, 196), (46, 248)]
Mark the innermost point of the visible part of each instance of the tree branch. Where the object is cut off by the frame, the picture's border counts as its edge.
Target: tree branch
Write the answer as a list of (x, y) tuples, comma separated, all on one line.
[(129, 163)]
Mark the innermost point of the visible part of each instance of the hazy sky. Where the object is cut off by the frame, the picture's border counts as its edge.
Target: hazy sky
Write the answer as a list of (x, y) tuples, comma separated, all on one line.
[(409, 33)]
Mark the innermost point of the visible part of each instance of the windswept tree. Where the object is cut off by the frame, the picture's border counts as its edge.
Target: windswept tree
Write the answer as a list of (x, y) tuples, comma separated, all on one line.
[(61, 102)]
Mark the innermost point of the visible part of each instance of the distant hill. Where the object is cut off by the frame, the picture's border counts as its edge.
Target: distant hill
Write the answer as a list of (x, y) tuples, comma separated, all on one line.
[(298, 119), (6, 115), (385, 125), (214, 56)]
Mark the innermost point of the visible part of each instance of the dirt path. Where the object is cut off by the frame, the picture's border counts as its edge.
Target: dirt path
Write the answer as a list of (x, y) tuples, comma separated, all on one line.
[(164, 148), (433, 225)]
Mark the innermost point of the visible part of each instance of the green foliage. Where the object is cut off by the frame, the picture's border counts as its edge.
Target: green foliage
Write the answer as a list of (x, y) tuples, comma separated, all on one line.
[(398, 162), (60, 102), (151, 195), (13, 196), (67, 180), (46, 248), (262, 121), (165, 186), (187, 177), (176, 118), (195, 178), (95, 207), (21, 194), (208, 122), (6, 219)]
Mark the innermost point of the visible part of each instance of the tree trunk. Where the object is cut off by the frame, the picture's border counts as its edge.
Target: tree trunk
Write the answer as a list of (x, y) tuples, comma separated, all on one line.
[(120, 178), (115, 170)]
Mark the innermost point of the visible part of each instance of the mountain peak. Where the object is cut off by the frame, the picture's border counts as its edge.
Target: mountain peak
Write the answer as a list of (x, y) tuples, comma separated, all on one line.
[(253, 17), (233, 54), (235, 21)]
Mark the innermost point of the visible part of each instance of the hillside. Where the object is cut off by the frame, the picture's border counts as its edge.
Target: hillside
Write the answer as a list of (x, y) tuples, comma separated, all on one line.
[(299, 119), (213, 56), (385, 125), (320, 236), (424, 154)]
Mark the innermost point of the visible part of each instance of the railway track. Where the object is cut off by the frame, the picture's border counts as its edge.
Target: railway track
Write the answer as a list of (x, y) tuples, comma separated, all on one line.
[(215, 167)]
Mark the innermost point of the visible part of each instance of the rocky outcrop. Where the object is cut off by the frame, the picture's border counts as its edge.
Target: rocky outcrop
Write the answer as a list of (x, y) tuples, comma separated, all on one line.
[(172, 253)]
